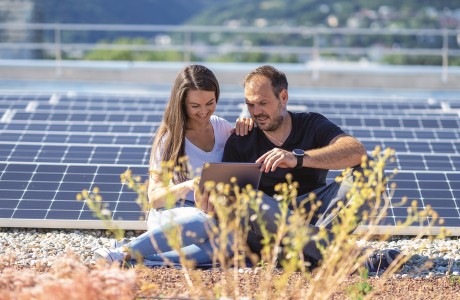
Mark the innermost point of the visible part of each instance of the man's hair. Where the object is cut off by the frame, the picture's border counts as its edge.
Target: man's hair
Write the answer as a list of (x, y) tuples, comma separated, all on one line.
[(276, 77)]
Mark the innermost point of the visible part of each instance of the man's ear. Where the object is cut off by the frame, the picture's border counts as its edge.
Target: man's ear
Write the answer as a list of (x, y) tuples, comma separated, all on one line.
[(284, 95)]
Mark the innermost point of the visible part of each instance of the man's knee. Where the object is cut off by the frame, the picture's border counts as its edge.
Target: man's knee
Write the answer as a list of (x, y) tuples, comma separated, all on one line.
[(254, 242)]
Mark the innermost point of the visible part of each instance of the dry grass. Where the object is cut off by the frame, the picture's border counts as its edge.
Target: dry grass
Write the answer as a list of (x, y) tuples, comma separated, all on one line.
[(70, 279), (341, 255)]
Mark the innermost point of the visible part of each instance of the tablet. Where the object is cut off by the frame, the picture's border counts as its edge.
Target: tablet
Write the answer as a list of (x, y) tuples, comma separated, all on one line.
[(245, 173)]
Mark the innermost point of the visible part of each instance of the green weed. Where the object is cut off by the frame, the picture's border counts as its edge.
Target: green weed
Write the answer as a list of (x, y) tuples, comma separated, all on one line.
[(360, 289)]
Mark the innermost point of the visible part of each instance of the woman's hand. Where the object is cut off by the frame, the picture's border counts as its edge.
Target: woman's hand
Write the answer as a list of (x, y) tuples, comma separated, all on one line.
[(190, 184), (202, 202), (243, 126), (157, 192)]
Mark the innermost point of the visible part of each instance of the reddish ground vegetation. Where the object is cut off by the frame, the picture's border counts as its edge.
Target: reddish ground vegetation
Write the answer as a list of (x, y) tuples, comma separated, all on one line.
[(70, 279)]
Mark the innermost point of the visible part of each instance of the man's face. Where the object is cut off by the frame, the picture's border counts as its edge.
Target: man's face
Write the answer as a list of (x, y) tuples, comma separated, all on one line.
[(267, 110)]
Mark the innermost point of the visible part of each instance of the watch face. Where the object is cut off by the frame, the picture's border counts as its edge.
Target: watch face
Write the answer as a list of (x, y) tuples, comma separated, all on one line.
[(298, 152)]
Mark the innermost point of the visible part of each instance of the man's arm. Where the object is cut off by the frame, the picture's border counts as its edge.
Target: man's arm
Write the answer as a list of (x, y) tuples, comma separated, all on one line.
[(342, 152)]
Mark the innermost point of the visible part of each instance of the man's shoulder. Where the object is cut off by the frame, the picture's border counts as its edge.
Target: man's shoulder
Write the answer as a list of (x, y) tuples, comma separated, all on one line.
[(302, 119), (251, 135), (242, 148), (305, 115)]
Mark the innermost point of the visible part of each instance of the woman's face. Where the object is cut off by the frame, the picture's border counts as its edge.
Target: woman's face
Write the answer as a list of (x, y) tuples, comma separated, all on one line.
[(200, 105)]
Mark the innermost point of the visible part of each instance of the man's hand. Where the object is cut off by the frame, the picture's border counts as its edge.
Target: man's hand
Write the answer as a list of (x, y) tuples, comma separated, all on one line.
[(243, 126), (277, 158)]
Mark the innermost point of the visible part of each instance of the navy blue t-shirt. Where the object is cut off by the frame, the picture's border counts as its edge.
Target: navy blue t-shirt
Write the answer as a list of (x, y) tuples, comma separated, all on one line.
[(309, 131)]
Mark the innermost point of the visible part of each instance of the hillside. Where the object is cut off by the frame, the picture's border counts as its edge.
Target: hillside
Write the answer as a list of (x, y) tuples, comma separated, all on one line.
[(357, 13), (119, 11), (342, 13), (390, 14)]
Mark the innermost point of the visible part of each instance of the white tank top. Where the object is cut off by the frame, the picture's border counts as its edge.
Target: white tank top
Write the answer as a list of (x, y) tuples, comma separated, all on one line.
[(198, 157)]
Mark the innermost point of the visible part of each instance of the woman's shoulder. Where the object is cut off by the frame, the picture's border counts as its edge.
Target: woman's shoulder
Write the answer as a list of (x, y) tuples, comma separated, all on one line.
[(222, 127), (218, 120)]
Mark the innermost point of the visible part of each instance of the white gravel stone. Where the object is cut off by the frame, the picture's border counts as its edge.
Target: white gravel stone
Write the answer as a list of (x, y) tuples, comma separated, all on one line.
[(43, 246)]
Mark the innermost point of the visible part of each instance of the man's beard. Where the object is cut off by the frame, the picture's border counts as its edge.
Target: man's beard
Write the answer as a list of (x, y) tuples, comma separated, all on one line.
[(276, 122), (273, 125)]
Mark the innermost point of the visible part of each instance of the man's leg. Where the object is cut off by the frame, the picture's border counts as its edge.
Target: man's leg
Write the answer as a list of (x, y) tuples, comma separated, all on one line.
[(270, 215), (330, 196)]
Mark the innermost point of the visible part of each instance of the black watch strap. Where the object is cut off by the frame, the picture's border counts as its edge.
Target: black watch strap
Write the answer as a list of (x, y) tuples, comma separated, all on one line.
[(299, 162), (299, 153)]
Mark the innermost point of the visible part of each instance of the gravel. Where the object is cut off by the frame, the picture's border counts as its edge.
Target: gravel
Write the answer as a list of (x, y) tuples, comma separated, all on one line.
[(44, 246), (428, 258)]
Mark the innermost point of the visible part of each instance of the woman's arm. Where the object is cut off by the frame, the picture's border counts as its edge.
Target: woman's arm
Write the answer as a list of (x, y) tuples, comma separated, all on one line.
[(158, 193)]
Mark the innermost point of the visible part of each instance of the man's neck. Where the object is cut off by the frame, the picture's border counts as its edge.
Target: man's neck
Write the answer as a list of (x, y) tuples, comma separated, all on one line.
[(280, 135)]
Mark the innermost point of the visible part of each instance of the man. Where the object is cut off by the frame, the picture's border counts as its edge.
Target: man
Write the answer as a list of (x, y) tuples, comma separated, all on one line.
[(306, 145)]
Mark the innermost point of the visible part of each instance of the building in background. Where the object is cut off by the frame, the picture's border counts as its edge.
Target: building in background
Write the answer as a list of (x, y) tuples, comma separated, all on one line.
[(17, 12)]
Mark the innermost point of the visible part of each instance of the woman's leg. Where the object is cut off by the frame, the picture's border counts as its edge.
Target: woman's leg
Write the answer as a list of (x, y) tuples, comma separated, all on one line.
[(200, 253), (194, 226)]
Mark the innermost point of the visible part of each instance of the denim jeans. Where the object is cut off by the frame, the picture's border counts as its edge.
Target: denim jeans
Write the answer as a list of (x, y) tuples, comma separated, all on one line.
[(195, 225), (330, 195)]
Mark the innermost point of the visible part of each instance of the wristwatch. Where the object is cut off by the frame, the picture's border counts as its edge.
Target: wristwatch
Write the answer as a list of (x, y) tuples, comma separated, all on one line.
[(299, 153)]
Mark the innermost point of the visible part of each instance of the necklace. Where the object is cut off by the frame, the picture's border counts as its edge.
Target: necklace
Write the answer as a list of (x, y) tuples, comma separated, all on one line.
[(285, 128), (272, 139)]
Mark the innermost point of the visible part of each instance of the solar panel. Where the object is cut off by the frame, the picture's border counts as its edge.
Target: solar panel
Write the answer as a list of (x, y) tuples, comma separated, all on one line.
[(396, 121), (139, 155), (44, 195), (415, 146), (426, 162), (403, 133), (74, 153), (387, 121), (438, 189), (103, 127), (75, 137), (317, 103), (52, 146), (223, 107), (60, 131), (56, 102)]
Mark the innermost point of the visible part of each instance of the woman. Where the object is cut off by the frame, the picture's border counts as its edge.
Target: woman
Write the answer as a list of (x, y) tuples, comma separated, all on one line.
[(190, 129)]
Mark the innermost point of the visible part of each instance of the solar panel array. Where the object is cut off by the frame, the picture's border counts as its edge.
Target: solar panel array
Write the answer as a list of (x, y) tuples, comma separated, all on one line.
[(53, 146)]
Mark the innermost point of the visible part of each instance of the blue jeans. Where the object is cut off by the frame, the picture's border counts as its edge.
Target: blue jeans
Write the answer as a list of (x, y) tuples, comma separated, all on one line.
[(330, 195), (194, 224)]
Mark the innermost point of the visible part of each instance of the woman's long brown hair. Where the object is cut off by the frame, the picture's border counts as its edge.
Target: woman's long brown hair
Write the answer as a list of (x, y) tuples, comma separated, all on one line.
[(172, 127)]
